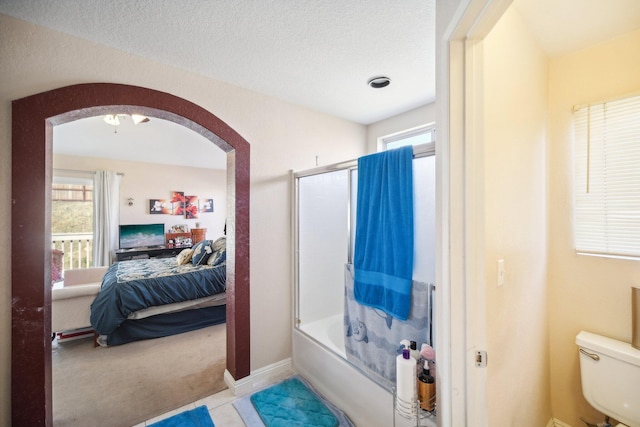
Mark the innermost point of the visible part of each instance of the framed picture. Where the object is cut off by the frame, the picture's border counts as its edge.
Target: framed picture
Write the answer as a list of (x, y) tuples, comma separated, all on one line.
[(177, 202), (206, 205), (191, 207), (159, 206), (180, 228)]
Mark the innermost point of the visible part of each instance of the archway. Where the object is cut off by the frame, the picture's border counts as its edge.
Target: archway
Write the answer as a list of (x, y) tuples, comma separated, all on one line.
[(33, 119)]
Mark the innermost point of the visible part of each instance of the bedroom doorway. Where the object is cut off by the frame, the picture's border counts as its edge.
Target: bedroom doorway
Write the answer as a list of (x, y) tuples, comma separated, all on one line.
[(192, 363), (32, 123)]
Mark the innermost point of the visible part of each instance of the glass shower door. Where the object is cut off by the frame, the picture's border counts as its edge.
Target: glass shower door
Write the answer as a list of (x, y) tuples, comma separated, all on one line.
[(322, 245)]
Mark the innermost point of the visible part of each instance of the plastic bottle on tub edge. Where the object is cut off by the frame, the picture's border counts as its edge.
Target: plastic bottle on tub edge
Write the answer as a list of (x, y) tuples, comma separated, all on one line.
[(426, 389), (405, 382), (415, 353)]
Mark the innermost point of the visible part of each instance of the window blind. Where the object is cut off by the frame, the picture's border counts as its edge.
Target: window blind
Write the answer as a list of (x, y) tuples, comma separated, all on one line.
[(607, 178)]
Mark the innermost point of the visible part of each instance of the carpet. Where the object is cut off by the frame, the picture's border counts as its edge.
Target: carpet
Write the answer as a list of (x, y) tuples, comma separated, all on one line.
[(128, 384), (292, 402), (198, 417)]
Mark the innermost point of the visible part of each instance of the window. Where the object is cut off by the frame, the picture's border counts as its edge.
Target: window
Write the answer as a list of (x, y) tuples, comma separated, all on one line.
[(71, 193), (607, 178), (72, 221), (416, 136)]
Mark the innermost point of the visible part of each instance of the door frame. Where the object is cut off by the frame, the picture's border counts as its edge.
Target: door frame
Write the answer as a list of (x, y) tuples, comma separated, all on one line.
[(461, 323), (33, 119)]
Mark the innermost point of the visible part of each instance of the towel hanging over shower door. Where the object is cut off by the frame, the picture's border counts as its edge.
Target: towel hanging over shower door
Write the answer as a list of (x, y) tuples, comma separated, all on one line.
[(383, 256)]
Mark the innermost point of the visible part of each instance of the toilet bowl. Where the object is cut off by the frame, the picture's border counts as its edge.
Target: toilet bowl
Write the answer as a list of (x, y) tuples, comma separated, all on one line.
[(610, 374)]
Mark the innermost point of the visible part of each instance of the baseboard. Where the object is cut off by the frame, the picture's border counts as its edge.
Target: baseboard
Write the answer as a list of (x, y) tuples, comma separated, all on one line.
[(75, 334), (553, 422), (259, 378)]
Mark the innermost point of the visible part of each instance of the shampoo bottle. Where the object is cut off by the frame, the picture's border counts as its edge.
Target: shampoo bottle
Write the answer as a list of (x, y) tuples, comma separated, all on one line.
[(405, 381), (426, 389), (415, 353)]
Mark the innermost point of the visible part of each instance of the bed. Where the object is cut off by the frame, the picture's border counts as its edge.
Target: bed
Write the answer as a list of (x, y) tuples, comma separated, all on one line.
[(157, 297)]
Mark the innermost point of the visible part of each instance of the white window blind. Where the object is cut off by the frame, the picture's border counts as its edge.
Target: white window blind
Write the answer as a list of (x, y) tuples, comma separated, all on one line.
[(607, 178)]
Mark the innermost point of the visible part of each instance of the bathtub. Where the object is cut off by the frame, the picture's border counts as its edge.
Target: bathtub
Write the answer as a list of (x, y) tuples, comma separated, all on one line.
[(328, 332), (319, 356)]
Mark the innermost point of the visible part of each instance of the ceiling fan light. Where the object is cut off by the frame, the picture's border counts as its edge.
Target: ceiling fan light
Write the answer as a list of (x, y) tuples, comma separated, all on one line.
[(139, 118), (112, 119)]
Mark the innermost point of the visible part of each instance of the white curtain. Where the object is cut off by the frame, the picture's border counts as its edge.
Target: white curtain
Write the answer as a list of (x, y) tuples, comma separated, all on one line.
[(106, 216)]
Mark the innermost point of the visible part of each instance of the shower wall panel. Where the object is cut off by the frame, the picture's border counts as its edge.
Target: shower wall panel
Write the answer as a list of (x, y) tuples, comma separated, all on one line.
[(323, 243)]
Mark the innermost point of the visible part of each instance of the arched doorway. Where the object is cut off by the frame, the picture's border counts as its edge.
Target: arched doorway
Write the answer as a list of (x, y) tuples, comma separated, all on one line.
[(33, 119)]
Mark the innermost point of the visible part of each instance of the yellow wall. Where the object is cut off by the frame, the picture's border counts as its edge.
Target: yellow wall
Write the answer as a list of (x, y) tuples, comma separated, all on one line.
[(585, 293), (282, 137), (514, 220), (550, 293)]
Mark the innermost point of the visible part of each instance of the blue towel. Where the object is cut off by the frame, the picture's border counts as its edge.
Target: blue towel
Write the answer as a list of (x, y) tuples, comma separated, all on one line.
[(383, 258)]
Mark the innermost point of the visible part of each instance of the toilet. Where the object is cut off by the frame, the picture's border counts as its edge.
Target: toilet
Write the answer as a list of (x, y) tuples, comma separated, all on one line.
[(610, 372)]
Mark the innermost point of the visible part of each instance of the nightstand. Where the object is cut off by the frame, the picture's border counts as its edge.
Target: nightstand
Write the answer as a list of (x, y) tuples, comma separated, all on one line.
[(198, 234)]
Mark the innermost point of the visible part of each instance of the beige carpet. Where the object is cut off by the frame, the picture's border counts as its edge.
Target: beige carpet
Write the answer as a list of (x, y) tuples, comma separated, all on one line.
[(125, 385)]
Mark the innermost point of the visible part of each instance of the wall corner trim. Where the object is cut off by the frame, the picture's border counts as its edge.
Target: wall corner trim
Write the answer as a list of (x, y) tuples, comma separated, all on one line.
[(259, 378)]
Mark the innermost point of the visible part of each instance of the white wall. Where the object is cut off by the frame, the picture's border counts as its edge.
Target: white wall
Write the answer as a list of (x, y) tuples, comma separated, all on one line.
[(513, 172), (416, 117), (144, 181), (282, 137)]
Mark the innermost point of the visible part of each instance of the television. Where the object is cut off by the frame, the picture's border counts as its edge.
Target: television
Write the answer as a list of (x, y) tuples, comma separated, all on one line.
[(141, 235)]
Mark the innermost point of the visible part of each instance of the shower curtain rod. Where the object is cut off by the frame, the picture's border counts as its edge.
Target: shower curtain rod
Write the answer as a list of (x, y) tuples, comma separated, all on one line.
[(81, 171), (423, 150)]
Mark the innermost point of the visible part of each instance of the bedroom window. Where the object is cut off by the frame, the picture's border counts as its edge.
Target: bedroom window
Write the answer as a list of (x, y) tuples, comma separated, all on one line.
[(72, 222), (607, 178), (416, 136)]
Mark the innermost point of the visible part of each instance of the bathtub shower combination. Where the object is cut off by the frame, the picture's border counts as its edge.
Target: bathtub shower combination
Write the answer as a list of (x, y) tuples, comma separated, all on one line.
[(324, 317)]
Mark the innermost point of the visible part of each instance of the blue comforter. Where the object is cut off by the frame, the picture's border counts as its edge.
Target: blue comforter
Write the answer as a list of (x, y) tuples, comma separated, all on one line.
[(129, 286)]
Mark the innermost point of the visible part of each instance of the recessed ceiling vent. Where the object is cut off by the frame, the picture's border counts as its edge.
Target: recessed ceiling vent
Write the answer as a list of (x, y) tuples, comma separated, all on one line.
[(379, 82)]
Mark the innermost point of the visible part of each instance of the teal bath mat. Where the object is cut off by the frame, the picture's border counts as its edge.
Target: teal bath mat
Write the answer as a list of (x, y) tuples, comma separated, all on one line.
[(198, 417), (291, 403)]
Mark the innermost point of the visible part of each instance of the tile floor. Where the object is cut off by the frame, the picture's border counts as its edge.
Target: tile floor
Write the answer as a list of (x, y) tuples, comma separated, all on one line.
[(220, 407)]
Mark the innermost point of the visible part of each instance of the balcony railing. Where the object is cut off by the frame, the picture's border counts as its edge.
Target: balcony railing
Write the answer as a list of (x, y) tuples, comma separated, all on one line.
[(77, 248)]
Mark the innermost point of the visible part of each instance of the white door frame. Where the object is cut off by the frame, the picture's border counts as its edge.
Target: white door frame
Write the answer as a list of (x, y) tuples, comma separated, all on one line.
[(460, 296)]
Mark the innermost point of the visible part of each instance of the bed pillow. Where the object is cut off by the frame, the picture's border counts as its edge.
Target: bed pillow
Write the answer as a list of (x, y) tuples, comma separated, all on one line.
[(219, 243), (219, 255), (201, 252), (184, 256)]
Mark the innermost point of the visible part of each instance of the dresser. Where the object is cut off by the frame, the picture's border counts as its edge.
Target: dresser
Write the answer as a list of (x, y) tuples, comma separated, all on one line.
[(178, 240), (198, 234), (144, 253)]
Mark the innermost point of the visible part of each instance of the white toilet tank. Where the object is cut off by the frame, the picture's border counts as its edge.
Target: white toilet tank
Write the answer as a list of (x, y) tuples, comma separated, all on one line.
[(610, 371)]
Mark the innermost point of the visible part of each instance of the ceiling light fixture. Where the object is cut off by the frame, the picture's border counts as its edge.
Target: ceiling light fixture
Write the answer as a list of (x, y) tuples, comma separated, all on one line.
[(379, 82), (112, 119), (139, 118)]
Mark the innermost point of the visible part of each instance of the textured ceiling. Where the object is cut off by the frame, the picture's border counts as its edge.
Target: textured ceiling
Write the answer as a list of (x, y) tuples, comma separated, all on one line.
[(314, 53)]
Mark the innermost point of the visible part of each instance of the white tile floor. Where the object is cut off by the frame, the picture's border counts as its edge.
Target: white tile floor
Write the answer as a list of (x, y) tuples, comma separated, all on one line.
[(220, 407), (224, 414)]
